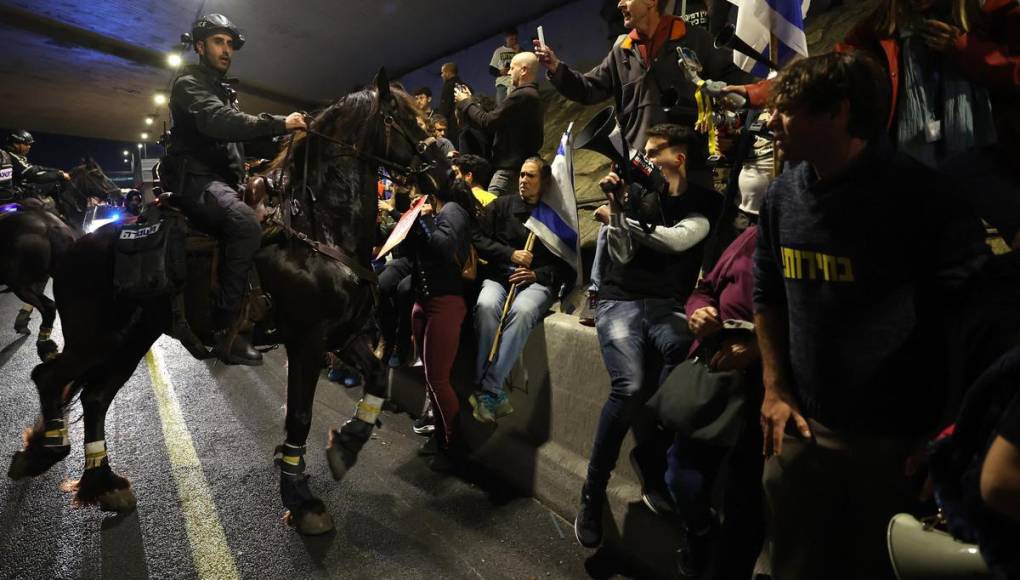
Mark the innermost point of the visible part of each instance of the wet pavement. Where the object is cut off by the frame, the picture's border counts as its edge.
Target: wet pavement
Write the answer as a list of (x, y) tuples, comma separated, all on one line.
[(197, 445)]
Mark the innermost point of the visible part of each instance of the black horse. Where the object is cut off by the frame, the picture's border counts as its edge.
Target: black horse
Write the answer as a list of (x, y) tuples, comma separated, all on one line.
[(319, 279), (35, 241), (36, 233)]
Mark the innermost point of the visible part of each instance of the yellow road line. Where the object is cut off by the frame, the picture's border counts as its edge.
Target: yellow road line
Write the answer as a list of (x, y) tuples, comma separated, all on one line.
[(209, 548)]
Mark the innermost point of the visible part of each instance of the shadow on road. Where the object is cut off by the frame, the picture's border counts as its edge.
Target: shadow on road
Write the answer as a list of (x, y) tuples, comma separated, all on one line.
[(11, 348)]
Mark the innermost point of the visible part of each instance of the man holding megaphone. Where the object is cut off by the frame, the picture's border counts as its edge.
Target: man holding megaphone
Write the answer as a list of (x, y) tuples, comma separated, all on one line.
[(654, 242)]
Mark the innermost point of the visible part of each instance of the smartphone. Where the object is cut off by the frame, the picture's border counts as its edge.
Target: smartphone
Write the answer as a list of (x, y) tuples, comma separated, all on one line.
[(541, 37)]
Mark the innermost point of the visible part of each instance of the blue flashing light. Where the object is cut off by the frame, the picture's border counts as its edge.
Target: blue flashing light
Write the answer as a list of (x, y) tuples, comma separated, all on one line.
[(115, 217), (9, 208)]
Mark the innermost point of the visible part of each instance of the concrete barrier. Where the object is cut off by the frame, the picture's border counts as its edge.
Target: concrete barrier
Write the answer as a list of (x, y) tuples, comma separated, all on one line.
[(558, 389)]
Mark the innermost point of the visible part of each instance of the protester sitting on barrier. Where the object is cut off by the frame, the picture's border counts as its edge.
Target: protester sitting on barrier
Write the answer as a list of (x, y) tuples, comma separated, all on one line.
[(719, 386), (440, 244), (859, 251), (654, 241), (517, 125), (396, 296), (954, 74), (514, 260)]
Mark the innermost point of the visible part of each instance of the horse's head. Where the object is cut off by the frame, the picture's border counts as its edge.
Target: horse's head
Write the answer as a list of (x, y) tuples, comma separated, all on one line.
[(404, 140), (385, 126), (90, 181)]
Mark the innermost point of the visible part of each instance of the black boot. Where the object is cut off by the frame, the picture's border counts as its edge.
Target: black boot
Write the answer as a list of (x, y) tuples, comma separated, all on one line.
[(232, 347), (588, 523), (239, 351)]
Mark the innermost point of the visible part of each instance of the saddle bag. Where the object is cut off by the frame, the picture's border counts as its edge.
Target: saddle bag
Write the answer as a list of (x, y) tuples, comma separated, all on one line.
[(149, 258)]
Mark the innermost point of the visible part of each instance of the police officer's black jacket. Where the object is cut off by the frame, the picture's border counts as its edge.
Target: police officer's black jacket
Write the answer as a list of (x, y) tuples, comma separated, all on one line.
[(208, 126), (27, 173), (501, 231)]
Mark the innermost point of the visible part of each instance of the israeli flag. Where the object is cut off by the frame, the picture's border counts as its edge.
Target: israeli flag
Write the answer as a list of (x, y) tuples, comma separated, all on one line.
[(758, 19), (554, 219)]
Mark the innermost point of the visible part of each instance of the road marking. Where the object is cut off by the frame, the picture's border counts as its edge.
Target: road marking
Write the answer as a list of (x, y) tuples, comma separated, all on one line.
[(209, 548)]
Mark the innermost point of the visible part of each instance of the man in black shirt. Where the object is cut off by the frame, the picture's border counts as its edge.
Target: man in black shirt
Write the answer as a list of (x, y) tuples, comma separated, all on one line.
[(858, 255), (654, 242), (517, 124), (538, 274)]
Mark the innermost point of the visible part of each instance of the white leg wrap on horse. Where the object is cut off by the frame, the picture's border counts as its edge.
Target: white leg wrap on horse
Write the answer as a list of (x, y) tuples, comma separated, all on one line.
[(26, 307), (44, 334), (369, 408), (95, 452)]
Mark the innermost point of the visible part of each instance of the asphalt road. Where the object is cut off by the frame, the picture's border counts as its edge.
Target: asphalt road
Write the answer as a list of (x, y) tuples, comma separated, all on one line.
[(197, 445)]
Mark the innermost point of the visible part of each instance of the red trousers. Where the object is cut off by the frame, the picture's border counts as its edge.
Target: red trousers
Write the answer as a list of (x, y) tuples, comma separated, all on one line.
[(436, 322)]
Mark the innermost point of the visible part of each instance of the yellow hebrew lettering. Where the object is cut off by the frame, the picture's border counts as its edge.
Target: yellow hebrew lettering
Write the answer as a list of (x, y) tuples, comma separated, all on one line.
[(847, 275)]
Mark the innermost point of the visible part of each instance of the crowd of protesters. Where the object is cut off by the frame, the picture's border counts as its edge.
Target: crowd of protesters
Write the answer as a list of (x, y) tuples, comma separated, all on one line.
[(777, 340)]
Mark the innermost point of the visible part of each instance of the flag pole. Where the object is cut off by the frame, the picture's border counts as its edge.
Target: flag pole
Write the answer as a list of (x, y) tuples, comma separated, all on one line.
[(774, 55), (528, 245)]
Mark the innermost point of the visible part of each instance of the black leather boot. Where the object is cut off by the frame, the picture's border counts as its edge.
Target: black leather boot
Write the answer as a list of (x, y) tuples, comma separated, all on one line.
[(239, 351)]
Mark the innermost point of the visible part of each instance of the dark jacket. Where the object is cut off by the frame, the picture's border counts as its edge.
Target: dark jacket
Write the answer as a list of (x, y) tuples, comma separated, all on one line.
[(501, 231), (447, 107), (517, 125), (25, 173), (208, 126), (637, 90), (439, 246)]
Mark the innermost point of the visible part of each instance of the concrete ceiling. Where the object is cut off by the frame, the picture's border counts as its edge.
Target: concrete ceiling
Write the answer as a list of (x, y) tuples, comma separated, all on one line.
[(90, 68)]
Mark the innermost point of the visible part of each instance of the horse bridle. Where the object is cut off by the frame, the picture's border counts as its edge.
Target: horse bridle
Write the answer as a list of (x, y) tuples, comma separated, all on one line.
[(416, 169)]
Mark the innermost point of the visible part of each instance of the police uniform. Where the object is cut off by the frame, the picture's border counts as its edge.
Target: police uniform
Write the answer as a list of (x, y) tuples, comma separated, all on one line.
[(205, 165)]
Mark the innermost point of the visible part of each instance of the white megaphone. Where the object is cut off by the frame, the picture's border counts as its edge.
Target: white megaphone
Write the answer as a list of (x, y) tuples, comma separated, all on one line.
[(921, 552)]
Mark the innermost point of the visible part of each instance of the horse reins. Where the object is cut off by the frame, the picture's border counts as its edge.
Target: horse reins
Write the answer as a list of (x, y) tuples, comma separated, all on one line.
[(347, 150)]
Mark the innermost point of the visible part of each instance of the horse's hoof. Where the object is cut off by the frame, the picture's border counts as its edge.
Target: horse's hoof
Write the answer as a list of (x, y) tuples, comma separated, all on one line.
[(19, 466), (34, 461), (340, 459), (310, 523), (119, 500), (47, 350), (21, 322)]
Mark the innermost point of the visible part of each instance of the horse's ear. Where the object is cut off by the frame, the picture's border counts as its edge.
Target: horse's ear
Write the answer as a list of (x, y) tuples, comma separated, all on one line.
[(382, 85)]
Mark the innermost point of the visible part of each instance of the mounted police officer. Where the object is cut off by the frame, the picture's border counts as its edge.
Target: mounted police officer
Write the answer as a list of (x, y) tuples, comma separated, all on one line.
[(26, 175), (205, 167)]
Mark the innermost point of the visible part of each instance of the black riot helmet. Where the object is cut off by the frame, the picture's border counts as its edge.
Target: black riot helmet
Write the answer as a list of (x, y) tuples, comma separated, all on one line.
[(211, 24), (21, 136)]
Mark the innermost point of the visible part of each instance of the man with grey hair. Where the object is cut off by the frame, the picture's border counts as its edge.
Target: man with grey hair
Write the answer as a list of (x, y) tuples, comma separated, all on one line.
[(517, 125)]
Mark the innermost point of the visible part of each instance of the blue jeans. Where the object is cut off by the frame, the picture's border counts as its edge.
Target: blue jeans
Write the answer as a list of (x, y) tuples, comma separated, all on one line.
[(525, 312), (628, 331), (596, 264)]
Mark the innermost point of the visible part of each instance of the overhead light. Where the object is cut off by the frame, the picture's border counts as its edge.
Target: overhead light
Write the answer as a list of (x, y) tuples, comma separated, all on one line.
[(139, 145), (126, 153), (145, 136), (159, 99), (148, 120), (173, 59)]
